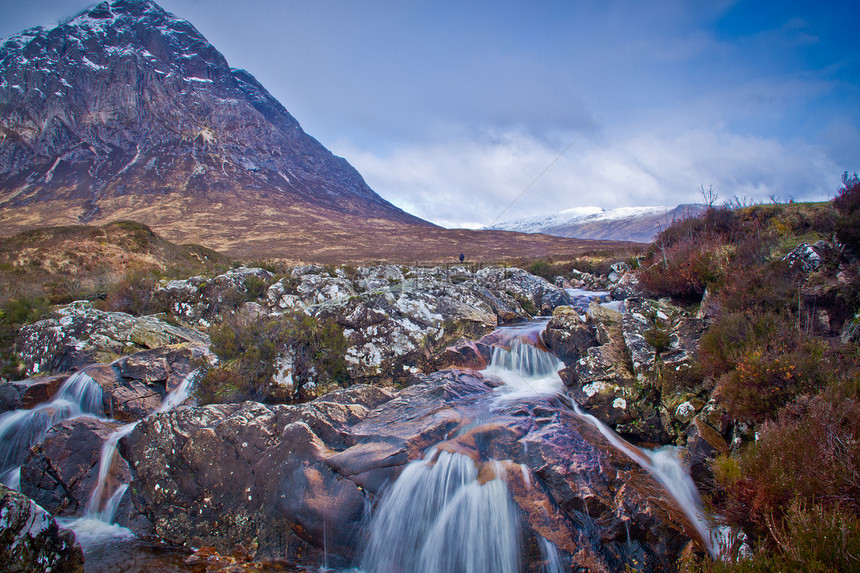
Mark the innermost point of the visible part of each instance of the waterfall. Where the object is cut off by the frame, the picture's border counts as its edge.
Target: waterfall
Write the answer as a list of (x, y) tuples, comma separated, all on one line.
[(106, 459), (525, 370), (666, 467), (22, 429), (108, 453), (439, 516)]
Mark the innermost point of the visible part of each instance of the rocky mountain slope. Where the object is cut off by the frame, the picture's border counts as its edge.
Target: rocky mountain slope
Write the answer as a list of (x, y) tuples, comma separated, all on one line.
[(638, 224), (126, 112)]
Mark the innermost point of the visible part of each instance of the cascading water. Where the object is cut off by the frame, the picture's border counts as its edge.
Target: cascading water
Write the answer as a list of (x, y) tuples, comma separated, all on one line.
[(438, 516), (22, 429)]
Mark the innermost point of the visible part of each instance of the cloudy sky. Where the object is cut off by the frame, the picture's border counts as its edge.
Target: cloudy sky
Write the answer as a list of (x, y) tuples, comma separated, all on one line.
[(468, 113)]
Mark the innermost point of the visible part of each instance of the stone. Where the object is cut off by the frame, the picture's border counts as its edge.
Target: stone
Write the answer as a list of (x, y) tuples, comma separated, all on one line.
[(62, 471), (25, 394), (803, 257), (31, 541), (567, 335), (78, 335), (463, 354)]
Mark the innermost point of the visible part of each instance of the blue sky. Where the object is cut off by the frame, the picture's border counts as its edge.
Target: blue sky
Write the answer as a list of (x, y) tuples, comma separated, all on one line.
[(451, 109)]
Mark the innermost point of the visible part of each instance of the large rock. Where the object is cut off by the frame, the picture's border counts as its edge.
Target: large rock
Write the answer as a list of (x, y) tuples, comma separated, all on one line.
[(136, 386), (568, 335), (62, 471), (603, 382), (30, 540), (78, 335), (294, 481), (252, 476), (24, 394)]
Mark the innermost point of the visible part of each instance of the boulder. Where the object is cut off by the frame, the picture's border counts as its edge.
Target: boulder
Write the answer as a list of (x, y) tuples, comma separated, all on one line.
[(464, 353), (78, 335), (24, 394), (567, 335), (136, 385), (62, 471), (229, 475), (31, 541)]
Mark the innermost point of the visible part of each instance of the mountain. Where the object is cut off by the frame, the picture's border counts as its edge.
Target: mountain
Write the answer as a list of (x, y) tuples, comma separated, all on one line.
[(637, 224), (126, 111)]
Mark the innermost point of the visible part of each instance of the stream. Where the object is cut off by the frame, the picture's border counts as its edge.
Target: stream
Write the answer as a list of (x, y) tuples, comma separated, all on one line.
[(451, 510)]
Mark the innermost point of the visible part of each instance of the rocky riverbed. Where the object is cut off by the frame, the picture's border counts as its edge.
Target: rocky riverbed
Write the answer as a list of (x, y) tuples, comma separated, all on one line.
[(434, 378)]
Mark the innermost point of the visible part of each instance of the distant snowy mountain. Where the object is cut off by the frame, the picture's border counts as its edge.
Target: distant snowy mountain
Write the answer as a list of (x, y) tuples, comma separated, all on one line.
[(639, 224)]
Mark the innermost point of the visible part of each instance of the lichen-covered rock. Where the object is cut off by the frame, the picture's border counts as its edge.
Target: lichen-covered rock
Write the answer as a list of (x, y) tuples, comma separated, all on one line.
[(567, 335), (199, 301), (804, 257), (536, 291), (31, 541), (135, 386), (78, 334), (24, 394)]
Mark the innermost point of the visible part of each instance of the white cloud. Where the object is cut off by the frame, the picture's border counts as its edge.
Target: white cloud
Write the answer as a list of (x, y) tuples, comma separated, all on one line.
[(467, 181)]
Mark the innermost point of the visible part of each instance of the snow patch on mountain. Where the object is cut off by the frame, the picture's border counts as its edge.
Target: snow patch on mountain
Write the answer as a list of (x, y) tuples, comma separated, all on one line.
[(543, 223)]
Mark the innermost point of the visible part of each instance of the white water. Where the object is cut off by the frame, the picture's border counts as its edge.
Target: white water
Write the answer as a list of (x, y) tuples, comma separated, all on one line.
[(21, 429), (437, 516), (666, 467)]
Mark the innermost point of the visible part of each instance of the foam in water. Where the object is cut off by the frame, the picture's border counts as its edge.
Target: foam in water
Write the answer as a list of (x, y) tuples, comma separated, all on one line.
[(525, 371), (438, 516)]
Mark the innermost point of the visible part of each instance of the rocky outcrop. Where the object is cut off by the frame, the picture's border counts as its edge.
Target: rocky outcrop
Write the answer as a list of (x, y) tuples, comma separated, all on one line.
[(636, 379), (294, 481), (31, 542), (78, 335), (198, 301)]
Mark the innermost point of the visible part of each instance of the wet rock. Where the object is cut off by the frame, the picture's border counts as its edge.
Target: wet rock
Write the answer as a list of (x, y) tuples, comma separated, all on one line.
[(540, 294), (78, 335), (296, 479), (61, 472), (464, 354), (567, 335), (31, 541), (703, 444), (135, 386), (24, 394), (224, 475)]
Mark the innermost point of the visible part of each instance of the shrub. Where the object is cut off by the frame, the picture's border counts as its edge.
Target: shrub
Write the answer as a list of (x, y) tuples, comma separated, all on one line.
[(255, 288), (250, 347), (135, 295), (810, 538), (682, 269), (14, 314), (808, 454), (847, 203)]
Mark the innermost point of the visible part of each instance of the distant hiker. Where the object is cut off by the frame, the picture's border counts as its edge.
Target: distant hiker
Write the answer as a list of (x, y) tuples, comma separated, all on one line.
[(462, 257)]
